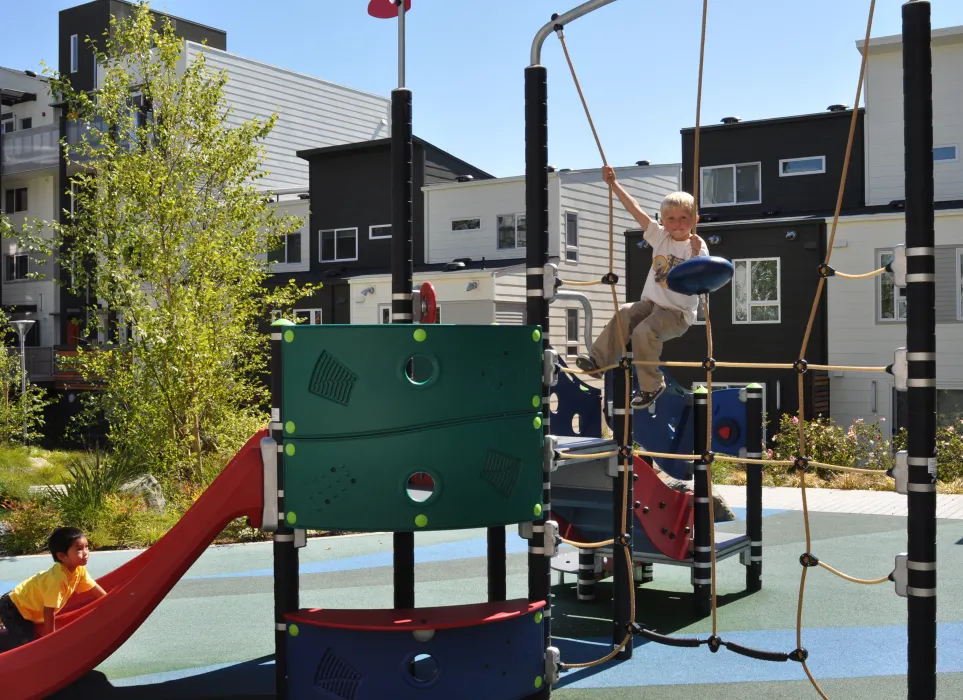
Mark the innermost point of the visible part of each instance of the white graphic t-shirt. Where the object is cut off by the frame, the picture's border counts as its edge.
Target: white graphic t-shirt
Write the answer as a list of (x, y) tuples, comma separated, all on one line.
[(666, 254)]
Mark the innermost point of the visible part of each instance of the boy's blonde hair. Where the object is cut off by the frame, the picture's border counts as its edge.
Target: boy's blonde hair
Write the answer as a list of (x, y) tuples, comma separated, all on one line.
[(681, 200)]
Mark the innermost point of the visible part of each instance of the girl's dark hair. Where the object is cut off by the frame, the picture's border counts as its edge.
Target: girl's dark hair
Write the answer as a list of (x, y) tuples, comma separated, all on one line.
[(61, 539)]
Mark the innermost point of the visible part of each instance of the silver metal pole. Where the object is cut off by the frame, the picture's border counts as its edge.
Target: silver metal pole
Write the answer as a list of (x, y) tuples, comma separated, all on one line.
[(23, 384), (401, 44), (569, 16)]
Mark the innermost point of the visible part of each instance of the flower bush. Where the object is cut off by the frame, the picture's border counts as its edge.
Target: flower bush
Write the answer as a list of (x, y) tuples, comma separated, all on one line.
[(949, 450), (861, 445)]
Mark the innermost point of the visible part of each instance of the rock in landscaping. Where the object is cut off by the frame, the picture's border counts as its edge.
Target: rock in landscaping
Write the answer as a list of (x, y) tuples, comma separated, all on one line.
[(39, 463), (148, 487), (721, 512)]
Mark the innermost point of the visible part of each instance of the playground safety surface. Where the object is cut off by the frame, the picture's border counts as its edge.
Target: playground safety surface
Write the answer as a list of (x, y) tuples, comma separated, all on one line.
[(211, 636)]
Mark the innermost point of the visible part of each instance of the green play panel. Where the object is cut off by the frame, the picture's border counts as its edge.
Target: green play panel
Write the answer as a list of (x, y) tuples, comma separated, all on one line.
[(475, 474), (360, 381)]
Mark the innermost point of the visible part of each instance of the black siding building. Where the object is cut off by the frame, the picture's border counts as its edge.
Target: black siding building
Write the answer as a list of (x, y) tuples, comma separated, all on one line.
[(350, 221), (767, 195)]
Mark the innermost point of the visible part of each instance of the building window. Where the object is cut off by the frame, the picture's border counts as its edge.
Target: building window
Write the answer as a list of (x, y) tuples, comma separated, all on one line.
[(790, 167), (74, 53), (339, 245), (380, 231), (511, 231), (26, 123), (289, 251), (16, 200), (465, 224), (755, 291), (727, 185), (311, 317), (700, 314), (945, 153), (891, 300), (384, 313), (570, 236), (571, 332), (17, 267)]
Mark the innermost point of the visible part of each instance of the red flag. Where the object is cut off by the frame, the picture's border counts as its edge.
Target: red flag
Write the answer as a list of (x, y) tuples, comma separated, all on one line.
[(386, 9)]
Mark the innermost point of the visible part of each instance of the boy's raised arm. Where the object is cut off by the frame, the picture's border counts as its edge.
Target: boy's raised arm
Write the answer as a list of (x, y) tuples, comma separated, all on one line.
[(628, 201)]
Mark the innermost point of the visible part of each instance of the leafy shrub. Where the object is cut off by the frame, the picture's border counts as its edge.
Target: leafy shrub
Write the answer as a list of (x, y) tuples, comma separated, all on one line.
[(949, 450), (30, 524), (861, 445), (91, 480)]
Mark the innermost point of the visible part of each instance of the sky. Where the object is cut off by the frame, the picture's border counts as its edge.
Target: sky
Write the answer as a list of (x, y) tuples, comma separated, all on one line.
[(637, 63)]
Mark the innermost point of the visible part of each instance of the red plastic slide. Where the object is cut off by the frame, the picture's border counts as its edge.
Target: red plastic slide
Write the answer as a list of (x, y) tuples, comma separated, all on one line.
[(88, 634)]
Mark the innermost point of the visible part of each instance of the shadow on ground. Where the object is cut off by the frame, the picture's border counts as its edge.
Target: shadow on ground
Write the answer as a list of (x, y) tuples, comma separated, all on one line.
[(251, 680), (582, 630)]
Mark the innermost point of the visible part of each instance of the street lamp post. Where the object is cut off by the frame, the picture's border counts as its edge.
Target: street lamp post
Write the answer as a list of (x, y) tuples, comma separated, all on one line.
[(23, 327)]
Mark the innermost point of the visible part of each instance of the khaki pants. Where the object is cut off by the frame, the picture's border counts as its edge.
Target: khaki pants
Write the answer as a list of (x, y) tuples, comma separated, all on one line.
[(648, 325)]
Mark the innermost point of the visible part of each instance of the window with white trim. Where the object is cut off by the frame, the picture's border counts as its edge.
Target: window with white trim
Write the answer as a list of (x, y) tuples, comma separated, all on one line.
[(338, 245), (729, 185), (74, 53), (17, 267), (570, 236), (959, 284), (890, 299), (473, 224), (512, 232), (289, 251), (571, 332), (755, 291), (310, 317), (791, 167), (943, 154), (379, 231)]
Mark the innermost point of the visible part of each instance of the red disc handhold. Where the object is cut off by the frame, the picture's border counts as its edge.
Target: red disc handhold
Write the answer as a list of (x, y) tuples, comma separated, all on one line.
[(386, 9), (429, 304)]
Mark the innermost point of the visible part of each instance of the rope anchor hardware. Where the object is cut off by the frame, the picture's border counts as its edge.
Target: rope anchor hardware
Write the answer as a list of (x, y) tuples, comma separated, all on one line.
[(825, 270), (610, 278), (800, 366), (709, 364), (808, 559)]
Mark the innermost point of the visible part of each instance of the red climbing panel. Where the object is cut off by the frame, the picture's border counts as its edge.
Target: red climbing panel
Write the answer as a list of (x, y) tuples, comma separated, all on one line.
[(437, 618), (662, 508)]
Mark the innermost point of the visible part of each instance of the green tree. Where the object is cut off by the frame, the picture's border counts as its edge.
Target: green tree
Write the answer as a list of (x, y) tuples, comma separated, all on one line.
[(169, 233)]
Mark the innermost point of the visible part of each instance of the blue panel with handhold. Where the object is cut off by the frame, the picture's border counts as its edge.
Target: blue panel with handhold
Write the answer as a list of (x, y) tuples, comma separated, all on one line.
[(501, 659), (700, 275), (666, 425), (576, 398)]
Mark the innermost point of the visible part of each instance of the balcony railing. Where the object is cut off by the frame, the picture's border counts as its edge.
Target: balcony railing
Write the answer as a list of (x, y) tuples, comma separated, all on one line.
[(31, 149)]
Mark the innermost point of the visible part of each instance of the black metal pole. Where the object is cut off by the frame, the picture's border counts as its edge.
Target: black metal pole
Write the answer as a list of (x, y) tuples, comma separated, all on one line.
[(585, 586), (702, 516), (624, 479), (920, 349), (754, 486), (286, 587), (536, 309), (497, 571), (401, 273)]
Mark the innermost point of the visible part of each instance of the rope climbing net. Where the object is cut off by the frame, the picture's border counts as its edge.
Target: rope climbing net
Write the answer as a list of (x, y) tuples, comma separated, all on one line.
[(801, 462)]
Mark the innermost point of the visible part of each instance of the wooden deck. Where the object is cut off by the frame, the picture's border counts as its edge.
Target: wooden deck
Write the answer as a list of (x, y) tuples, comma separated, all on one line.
[(948, 506)]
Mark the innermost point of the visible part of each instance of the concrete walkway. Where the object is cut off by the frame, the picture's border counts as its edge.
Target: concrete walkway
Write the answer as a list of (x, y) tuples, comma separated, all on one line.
[(948, 506)]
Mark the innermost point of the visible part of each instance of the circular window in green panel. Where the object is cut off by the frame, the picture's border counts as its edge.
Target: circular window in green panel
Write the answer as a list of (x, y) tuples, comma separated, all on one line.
[(420, 369), (420, 487)]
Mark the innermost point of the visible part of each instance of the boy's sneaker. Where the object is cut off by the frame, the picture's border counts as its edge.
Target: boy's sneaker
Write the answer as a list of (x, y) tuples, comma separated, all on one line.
[(644, 399), (588, 365)]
